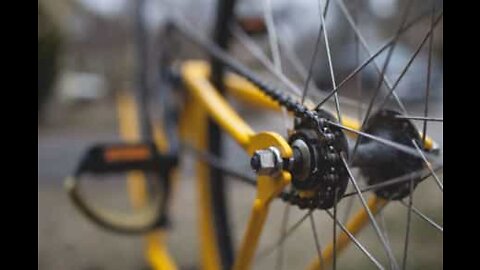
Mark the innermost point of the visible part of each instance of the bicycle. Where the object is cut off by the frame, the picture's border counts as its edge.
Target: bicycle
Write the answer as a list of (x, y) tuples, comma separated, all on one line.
[(310, 167)]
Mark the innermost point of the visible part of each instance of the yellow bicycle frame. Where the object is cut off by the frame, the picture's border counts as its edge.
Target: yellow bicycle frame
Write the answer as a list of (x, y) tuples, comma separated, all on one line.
[(205, 102)]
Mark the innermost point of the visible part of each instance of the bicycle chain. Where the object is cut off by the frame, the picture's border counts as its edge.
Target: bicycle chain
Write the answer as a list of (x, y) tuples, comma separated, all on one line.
[(300, 111), (283, 99)]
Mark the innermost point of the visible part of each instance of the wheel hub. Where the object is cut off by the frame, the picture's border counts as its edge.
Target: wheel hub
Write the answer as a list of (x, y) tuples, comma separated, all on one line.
[(380, 163)]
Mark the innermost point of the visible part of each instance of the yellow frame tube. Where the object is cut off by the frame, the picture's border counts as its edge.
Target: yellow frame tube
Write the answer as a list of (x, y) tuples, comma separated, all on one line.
[(195, 76), (156, 252)]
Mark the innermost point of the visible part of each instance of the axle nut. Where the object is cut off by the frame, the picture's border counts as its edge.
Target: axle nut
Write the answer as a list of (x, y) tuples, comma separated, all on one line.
[(267, 161)]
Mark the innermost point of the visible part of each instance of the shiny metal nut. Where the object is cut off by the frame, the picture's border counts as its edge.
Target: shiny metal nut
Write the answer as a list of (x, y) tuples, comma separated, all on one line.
[(267, 161)]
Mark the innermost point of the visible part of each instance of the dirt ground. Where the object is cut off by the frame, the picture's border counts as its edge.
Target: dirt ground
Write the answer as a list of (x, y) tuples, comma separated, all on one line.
[(66, 240)]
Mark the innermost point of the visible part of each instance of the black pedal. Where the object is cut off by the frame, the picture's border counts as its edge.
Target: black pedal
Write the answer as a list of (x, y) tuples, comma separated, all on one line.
[(122, 157), (111, 158)]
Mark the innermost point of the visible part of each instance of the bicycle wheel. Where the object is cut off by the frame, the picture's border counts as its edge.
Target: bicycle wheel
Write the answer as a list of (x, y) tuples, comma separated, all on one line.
[(388, 152)]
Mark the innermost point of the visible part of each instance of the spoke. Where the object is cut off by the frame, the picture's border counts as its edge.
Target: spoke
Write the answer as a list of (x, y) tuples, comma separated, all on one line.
[(272, 35), (271, 249), (424, 217), (356, 242), (382, 74), (292, 57), (429, 74), (373, 222), (384, 78), (429, 166), (358, 81), (369, 60), (392, 144), (407, 232), (315, 51), (410, 61), (317, 242), (302, 72), (275, 49), (283, 230), (420, 118), (351, 75), (274, 68), (396, 180), (330, 64), (256, 51)]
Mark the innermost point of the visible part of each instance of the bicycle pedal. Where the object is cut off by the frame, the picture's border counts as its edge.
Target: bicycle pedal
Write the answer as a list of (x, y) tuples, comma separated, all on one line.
[(122, 157)]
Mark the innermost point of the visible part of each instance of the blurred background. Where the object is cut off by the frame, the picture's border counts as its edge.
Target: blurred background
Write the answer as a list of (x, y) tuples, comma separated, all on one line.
[(86, 54)]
